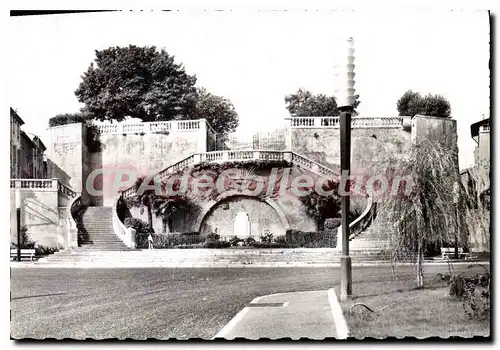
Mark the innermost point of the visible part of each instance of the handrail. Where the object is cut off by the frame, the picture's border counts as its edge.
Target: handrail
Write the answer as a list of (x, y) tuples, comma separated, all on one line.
[(215, 157), (362, 221), (126, 235), (74, 206), (68, 191)]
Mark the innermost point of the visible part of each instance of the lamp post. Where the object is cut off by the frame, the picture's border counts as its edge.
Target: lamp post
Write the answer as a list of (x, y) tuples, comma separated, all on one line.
[(345, 105), (18, 222)]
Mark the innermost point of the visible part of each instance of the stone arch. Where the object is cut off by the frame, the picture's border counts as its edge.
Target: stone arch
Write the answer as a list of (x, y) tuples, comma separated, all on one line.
[(209, 206)]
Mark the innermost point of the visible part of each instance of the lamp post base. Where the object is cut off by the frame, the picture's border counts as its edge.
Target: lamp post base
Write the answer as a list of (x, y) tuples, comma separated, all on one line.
[(345, 277)]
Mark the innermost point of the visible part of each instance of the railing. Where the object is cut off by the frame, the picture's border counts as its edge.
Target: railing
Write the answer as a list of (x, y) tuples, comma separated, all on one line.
[(33, 183), (356, 122), (66, 190), (364, 220), (48, 184), (232, 156), (153, 127), (126, 235), (75, 208)]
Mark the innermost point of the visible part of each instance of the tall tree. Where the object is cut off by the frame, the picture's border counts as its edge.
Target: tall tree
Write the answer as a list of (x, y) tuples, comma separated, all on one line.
[(217, 110), (304, 104), (412, 103), (139, 82), (433, 211)]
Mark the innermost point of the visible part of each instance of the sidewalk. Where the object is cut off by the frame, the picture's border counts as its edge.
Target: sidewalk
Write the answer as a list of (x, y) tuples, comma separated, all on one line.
[(289, 315)]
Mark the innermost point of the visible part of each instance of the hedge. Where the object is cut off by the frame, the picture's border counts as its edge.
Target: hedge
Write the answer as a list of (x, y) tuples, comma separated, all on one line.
[(310, 239)]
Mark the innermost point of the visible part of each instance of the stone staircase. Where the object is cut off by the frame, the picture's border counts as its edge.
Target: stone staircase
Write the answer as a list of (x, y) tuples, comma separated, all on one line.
[(96, 230), (370, 244), (100, 246)]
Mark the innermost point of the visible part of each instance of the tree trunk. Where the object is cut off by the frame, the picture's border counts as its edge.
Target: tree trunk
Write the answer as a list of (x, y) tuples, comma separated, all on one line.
[(420, 264), (150, 215)]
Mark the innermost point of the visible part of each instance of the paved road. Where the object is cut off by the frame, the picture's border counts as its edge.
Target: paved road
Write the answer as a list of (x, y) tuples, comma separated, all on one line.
[(155, 303)]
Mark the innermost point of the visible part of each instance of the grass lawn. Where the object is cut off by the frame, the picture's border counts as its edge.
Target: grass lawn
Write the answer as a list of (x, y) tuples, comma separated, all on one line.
[(401, 310)]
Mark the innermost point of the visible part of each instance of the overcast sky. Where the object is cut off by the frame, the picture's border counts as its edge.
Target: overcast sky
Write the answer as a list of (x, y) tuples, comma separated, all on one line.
[(256, 58)]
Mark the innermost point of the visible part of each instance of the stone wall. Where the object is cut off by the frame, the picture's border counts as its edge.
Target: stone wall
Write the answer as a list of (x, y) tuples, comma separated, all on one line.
[(65, 152), (137, 152), (368, 145), (275, 210), (40, 212), (144, 155)]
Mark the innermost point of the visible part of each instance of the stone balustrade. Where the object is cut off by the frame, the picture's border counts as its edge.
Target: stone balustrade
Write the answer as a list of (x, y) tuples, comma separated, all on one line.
[(66, 190), (154, 127), (356, 122), (34, 183), (239, 156), (43, 184)]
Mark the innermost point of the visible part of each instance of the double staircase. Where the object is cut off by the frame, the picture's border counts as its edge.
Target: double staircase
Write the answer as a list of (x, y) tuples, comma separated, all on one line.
[(99, 243)]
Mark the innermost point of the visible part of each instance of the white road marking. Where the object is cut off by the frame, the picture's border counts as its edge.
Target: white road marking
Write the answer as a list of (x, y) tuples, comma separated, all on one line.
[(338, 317)]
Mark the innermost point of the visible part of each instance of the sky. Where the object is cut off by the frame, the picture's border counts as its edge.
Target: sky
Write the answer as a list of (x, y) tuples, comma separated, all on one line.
[(256, 58)]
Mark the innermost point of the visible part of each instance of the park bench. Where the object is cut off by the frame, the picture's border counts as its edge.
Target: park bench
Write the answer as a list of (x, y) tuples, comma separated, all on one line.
[(25, 253), (450, 253)]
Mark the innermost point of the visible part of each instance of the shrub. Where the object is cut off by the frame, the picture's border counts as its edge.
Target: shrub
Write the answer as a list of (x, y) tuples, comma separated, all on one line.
[(267, 237), (280, 239), (43, 250), (457, 285), (332, 224), (249, 241), (269, 245), (300, 238), (176, 240), (26, 241), (432, 249), (217, 244), (234, 241), (213, 236), (311, 239), (142, 231), (474, 291)]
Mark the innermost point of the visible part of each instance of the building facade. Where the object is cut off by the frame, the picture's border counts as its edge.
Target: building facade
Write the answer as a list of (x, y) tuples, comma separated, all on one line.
[(27, 152), (15, 144)]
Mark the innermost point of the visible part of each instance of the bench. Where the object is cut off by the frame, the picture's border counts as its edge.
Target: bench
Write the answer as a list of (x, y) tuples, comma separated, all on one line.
[(25, 253), (450, 252)]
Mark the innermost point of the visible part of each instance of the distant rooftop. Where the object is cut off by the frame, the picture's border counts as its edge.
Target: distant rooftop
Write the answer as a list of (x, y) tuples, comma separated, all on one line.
[(474, 128)]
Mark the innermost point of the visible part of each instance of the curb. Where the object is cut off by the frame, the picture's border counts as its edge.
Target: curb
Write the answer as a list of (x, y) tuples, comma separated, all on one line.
[(338, 317)]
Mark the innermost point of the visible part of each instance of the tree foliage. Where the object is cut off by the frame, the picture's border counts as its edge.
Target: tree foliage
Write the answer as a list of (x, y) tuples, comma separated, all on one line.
[(412, 103), (139, 82), (217, 110), (304, 104), (433, 212)]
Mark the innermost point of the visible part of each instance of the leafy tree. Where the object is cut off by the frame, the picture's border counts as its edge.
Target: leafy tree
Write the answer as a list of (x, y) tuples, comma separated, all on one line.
[(304, 104), (217, 110), (412, 103), (158, 204), (432, 211), (139, 82)]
